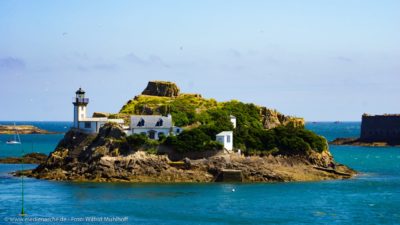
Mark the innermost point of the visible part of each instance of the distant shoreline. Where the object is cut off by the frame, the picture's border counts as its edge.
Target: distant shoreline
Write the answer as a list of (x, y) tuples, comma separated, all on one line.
[(24, 129), (30, 158), (358, 142)]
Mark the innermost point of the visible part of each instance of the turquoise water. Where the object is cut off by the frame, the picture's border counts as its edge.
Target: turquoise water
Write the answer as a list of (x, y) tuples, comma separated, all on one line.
[(371, 198), (44, 143)]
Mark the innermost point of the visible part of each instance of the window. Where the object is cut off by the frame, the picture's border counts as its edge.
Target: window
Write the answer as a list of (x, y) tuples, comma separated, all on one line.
[(178, 130), (228, 139), (88, 125), (140, 123), (159, 123), (152, 134)]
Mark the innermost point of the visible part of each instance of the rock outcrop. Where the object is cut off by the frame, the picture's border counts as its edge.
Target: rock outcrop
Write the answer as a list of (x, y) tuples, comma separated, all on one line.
[(272, 118), (161, 88), (30, 158), (106, 158)]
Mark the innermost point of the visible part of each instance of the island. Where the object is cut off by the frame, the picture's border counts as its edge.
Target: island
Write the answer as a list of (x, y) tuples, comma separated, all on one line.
[(376, 131), (30, 158), (23, 129), (166, 136)]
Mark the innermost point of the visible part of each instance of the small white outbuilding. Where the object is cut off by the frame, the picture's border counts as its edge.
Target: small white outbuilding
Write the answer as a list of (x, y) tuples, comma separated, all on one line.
[(226, 139)]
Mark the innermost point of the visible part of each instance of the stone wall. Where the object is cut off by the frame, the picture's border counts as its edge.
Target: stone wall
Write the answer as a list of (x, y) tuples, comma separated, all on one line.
[(380, 128)]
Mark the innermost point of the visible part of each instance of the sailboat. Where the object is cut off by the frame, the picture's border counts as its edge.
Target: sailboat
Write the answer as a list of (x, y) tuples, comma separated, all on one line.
[(16, 140)]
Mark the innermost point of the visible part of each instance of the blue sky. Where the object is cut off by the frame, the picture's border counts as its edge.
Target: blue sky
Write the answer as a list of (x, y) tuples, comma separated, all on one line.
[(321, 60)]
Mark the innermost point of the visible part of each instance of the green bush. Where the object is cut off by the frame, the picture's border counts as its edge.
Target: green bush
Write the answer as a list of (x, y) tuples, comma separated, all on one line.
[(210, 118), (291, 140), (137, 140), (213, 145), (161, 137), (141, 141), (180, 119), (193, 140)]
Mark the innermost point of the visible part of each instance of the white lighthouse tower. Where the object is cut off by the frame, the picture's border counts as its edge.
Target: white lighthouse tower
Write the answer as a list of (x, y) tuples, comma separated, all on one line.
[(80, 104), (88, 124)]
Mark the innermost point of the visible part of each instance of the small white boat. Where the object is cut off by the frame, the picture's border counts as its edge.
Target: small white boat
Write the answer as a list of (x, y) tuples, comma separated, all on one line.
[(12, 142), (16, 140)]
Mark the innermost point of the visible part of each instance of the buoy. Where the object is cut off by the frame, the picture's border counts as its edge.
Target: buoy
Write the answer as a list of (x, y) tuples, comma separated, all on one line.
[(233, 189)]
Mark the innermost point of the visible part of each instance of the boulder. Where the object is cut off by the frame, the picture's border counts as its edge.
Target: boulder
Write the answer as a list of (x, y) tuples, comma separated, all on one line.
[(161, 88), (111, 130)]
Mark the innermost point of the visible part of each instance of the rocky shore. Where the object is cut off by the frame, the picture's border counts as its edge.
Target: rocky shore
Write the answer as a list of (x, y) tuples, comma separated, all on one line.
[(358, 142), (23, 129), (102, 158), (144, 167), (30, 158)]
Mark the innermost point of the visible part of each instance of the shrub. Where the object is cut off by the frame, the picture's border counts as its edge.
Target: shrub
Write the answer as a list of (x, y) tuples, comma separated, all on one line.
[(192, 140), (210, 118), (213, 145), (136, 141), (292, 146), (161, 137), (141, 141), (180, 119)]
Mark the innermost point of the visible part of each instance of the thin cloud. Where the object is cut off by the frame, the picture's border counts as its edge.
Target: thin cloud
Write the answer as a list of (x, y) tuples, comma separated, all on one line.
[(95, 67), (343, 59), (234, 53), (133, 58), (11, 63), (105, 67), (152, 60)]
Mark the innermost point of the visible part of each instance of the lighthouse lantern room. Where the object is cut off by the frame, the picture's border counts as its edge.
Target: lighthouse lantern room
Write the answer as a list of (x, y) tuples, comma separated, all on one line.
[(80, 105)]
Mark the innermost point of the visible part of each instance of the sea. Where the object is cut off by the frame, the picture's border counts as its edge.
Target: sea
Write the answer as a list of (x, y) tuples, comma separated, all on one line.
[(372, 197)]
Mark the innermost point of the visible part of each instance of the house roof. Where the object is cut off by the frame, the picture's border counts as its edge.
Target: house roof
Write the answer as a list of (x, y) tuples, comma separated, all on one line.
[(101, 119), (150, 121), (225, 133)]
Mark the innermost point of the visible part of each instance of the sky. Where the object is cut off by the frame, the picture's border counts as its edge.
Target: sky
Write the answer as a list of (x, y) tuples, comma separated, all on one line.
[(323, 60)]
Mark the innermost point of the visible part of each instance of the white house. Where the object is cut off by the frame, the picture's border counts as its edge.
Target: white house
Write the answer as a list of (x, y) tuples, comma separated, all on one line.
[(226, 139), (153, 126), (84, 123)]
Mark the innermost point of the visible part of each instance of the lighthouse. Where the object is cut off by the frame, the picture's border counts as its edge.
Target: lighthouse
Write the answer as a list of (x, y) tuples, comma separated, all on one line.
[(84, 123), (80, 105)]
